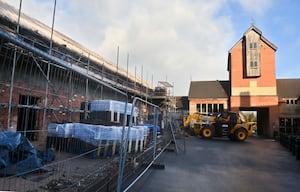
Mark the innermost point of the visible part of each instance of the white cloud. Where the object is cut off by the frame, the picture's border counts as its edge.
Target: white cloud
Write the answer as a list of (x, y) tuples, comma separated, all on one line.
[(257, 7), (171, 39), (175, 40)]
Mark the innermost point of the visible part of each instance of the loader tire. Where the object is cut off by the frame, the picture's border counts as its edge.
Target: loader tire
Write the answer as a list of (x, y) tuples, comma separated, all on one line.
[(240, 135), (208, 132)]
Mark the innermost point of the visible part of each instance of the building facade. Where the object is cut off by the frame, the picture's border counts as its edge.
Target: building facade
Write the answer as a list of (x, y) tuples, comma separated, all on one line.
[(252, 86)]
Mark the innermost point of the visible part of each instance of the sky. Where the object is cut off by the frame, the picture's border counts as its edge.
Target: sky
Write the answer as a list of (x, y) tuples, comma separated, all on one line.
[(177, 41)]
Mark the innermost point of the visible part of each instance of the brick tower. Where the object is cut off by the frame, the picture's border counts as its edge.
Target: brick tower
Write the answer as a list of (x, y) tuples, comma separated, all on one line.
[(252, 76)]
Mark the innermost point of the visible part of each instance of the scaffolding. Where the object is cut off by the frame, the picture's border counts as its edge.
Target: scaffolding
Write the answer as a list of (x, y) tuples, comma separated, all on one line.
[(53, 73), (49, 84)]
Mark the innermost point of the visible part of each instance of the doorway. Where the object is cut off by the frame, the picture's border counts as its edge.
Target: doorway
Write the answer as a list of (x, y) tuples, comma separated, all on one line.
[(262, 121), (28, 116), (250, 115)]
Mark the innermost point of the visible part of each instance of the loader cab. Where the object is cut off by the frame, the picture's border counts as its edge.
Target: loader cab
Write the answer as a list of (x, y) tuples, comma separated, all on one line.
[(225, 122)]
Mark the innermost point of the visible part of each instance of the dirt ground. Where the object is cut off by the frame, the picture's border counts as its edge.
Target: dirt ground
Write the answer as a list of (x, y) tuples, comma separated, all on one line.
[(67, 173)]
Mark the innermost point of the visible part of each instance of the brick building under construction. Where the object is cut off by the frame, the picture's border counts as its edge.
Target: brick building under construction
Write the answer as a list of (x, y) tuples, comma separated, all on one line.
[(47, 77), (64, 97)]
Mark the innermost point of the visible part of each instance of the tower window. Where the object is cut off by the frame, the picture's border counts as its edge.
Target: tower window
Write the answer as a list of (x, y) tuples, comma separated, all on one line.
[(252, 55), (253, 63), (253, 45)]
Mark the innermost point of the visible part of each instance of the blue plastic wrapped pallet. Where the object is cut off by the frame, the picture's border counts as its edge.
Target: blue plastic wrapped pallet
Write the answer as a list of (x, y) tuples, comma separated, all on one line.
[(152, 127), (94, 133), (64, 130), (112, 105), (81, 138)]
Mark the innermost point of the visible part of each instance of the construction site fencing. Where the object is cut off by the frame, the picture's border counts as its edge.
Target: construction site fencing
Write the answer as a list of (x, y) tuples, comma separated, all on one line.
[(170, 137), (154, 145), (62, 128), (291, 142)]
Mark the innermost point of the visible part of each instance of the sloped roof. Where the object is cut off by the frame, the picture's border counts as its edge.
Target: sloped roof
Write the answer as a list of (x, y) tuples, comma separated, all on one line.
[(254, 28), (209, 89), (182, 102), (288, 88), (259, 32)]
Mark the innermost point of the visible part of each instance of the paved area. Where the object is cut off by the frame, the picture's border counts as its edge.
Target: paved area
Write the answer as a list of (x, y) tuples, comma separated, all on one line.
[(221, 165)]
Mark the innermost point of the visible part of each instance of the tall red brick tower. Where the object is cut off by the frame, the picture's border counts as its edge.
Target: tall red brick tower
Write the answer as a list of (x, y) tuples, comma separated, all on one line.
[(251, 66)]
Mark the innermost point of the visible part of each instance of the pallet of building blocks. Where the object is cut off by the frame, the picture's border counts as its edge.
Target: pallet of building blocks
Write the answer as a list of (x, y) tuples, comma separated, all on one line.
[(100, 140)]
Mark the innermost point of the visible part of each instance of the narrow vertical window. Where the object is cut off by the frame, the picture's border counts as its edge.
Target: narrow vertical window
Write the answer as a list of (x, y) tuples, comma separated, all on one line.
[(209, 108), (198, 107), (215, 108), (221, 107), (204, 108), (254, 45)]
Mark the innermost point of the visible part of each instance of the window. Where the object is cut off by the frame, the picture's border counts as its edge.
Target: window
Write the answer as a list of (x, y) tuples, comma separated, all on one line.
[(203, 108), (115, 117), (221, 107), (253, 63), (198, 107), (296, 101), (215, 108), (292, 101), (253, 45), (209, 108), (281, 122), (287, 101), (288, 122)]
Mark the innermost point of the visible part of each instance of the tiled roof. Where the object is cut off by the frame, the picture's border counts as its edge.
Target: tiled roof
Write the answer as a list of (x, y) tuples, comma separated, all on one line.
[(209, 89), (288, 88)]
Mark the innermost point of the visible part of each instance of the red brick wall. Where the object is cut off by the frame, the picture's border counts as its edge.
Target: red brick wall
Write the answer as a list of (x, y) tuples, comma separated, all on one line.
[(56, 99), (268, 73), (253, 101), (255, 97)]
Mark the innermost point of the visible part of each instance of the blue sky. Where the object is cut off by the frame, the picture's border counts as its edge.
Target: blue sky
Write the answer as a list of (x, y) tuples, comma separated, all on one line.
[(175, 40)]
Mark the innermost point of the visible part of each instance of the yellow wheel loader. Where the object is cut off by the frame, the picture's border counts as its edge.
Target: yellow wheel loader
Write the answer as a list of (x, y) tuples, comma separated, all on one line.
[(194, 123), (230, 124)]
